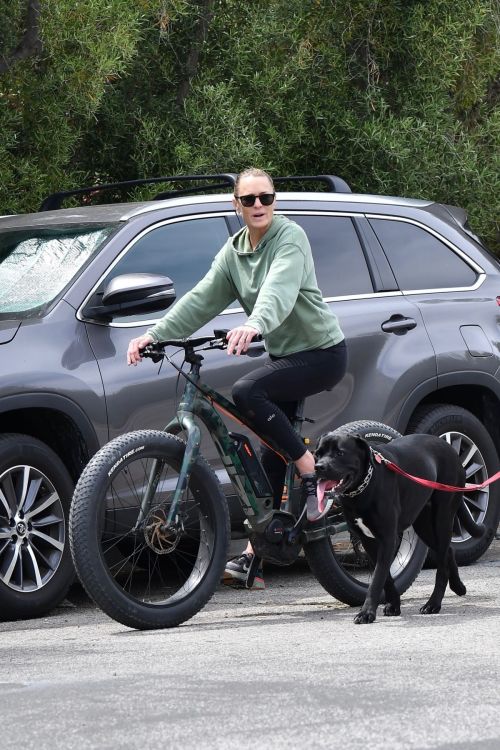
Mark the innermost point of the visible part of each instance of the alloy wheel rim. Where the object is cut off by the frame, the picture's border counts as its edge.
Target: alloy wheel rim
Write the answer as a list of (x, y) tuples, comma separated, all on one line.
[(475, 473), (32, 529)]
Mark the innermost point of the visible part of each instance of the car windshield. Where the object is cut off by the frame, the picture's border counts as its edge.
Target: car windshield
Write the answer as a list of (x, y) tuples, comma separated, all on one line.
[(36, 264)]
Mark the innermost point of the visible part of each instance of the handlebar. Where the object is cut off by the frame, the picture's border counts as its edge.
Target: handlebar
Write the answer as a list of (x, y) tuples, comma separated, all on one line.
[(155, 352)]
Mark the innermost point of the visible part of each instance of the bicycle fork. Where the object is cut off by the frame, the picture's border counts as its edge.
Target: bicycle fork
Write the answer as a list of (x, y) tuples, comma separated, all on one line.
[(191, 453)]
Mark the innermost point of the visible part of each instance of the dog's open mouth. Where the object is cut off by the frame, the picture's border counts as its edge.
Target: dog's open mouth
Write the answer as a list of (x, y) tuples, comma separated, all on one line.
[(325, 485)]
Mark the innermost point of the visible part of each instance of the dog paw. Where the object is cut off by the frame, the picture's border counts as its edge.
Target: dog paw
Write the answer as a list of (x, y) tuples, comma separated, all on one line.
[(364, 617), (430, 609), (392, 610)]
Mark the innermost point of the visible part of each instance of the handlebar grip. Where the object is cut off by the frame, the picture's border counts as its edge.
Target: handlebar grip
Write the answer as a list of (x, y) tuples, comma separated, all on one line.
[(255, 351), (221, 333)]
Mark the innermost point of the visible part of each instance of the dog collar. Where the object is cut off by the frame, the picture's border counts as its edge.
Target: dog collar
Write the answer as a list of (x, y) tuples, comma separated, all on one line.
[(360, 488)]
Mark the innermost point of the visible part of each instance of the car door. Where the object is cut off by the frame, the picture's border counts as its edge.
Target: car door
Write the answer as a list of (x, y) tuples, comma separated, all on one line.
[(390, 353), (440, 279), (145, 396)]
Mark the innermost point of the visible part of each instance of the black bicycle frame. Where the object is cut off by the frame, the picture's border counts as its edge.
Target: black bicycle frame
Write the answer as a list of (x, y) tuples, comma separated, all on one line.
[(199, 400)]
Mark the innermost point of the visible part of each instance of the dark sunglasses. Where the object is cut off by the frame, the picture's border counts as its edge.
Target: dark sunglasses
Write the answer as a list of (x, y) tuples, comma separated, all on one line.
[(248, 200)]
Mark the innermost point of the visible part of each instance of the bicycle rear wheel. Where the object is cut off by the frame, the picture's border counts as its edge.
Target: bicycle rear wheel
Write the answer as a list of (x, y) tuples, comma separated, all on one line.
[(340, 563), (142, 571)]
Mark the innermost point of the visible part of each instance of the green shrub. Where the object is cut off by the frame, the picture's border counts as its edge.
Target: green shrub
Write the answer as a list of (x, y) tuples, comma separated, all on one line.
[(400, 97)]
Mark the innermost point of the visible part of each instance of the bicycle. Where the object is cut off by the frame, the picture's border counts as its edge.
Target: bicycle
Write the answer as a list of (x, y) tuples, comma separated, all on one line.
[(149, 523)]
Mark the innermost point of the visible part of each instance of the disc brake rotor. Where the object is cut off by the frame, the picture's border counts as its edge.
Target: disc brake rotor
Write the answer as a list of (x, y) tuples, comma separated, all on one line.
[(161, 536)]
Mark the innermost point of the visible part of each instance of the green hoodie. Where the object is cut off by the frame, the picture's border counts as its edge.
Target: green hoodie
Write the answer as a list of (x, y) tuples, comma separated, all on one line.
[(276, 286)]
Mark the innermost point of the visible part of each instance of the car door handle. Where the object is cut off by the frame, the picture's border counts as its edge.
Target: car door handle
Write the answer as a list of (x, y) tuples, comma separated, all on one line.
[(398, 324)]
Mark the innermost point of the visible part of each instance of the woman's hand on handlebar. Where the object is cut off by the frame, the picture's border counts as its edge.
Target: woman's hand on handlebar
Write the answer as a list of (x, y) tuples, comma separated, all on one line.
[(239, 338), (135, 346)]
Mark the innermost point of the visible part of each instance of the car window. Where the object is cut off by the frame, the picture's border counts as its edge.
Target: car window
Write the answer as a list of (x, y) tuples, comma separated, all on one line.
[(340, 263), (182, 250), (420, 260), (36, 264)]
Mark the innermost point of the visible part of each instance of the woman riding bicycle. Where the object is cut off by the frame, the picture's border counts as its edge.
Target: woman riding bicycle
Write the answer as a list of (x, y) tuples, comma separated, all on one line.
[(268, 267)]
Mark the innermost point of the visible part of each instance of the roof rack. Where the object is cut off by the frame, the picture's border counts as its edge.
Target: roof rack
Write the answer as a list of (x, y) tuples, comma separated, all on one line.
[(213, 182), (334, 184), (56, 200)]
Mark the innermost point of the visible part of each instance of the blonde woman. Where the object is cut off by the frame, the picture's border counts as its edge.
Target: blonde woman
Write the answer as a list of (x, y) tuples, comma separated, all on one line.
[(268, 267)]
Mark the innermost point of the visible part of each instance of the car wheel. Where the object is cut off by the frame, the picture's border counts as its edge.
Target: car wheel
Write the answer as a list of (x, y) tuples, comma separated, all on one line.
[(35, 561), (461, 429)]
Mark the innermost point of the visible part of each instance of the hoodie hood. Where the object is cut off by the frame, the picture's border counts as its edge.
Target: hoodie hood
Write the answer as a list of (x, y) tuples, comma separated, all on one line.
[(241, 242)]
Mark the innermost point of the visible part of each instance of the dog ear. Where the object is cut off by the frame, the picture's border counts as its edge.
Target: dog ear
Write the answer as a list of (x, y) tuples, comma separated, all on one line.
[(320, 442), (365, 446)]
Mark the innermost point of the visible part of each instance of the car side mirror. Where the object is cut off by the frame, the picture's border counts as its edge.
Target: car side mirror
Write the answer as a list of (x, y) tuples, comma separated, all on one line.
[(131, 294)]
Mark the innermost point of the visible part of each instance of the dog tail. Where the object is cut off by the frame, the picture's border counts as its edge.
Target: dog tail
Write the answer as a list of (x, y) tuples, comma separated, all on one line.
[(465, 517)]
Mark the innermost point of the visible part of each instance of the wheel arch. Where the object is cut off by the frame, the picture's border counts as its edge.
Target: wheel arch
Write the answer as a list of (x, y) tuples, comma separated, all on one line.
[(475, 392), (56, 421)]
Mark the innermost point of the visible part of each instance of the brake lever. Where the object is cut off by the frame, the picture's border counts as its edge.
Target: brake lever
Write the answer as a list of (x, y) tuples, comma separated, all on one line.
[(153, 352), (221, 333)]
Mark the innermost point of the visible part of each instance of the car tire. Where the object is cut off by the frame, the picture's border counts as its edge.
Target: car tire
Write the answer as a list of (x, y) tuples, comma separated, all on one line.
[(474, 444), (36, 569)]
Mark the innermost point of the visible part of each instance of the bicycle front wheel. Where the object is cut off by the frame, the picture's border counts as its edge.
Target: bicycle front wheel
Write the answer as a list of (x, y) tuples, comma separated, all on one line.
[(340, 563), (145, 571)]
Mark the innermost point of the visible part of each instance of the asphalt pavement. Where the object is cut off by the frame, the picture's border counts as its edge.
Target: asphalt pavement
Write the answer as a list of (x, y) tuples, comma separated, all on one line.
[(280, 668)]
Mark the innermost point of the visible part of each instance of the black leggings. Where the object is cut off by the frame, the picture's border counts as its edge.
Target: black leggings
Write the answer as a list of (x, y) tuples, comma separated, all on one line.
[(268, 398)]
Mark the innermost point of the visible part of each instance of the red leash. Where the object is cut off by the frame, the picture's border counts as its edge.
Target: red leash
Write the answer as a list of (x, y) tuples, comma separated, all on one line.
[(427, 482)]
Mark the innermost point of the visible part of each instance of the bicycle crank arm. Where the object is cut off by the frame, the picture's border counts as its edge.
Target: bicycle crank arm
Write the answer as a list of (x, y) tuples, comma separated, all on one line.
[(313, 534), (276, 541)]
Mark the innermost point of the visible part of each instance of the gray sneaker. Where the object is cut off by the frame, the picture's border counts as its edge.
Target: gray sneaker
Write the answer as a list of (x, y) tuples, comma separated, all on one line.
[(317, 507), (244, 572)]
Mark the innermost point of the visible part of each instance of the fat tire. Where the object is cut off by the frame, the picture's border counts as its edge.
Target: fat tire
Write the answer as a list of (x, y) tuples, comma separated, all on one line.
[(437, 419), (15, 450), (327, 568), (84, 541)]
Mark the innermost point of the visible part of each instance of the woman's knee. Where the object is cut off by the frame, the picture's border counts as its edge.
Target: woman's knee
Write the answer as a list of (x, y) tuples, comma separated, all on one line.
[(244, 394)]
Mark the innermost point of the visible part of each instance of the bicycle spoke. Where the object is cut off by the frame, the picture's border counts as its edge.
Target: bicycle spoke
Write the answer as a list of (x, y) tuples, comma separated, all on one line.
[(147, 558)]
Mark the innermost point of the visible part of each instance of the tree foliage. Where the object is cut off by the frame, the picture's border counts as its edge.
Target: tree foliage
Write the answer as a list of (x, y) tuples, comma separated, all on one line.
[(398, 97)]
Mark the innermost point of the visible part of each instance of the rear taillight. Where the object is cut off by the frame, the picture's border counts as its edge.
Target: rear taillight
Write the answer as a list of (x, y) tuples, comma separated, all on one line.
[(498, 301)]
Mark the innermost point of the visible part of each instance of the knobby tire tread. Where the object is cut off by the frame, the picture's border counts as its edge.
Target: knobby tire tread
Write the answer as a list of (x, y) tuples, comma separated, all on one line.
[(82, 506)]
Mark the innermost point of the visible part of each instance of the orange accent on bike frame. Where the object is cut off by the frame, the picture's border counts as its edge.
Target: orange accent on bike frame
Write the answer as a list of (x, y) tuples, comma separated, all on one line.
[(235, 419)]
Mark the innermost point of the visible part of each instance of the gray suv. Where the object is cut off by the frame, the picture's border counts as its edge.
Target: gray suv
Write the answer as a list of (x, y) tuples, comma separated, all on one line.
[(415, 290)]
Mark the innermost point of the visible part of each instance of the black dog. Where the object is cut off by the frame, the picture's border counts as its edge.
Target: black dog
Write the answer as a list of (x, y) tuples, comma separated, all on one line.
[(379, 505)]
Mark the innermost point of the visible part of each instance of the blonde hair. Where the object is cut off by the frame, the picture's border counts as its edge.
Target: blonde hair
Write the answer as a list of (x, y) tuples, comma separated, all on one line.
[(252, 172)]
